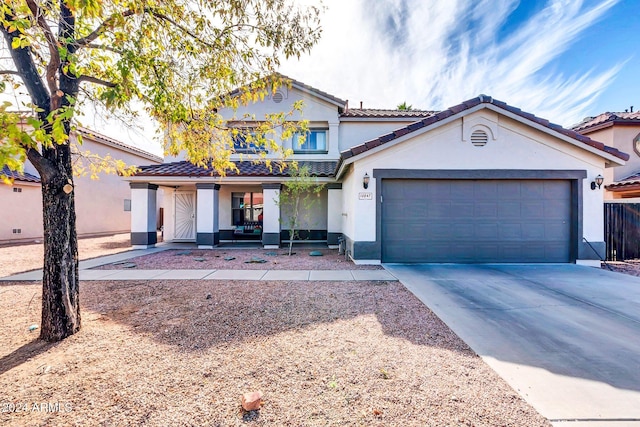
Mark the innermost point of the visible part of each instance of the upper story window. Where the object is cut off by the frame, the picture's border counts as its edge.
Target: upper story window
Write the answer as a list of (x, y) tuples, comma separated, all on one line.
[(242, 143), (315, 141)]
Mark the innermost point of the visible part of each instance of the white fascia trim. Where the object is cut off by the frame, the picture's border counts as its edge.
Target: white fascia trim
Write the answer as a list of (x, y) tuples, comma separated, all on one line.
[(222, 181), (317, 95), (618, 161), (382, 119)]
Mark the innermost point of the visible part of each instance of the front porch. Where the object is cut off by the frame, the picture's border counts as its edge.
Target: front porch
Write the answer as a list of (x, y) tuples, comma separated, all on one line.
[(211, 214)]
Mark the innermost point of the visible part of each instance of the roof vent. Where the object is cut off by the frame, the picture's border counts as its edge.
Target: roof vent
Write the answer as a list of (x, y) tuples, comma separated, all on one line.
[(479, 138), (277, 97)]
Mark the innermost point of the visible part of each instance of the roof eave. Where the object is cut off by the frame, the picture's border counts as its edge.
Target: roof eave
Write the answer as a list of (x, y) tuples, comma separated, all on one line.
[(607, 156)]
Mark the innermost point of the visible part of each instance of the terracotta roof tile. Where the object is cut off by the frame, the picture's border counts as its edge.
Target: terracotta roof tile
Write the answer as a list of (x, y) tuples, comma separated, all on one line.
[(17, 176), (631, 180), (385, 113), (245, 169), (482, 99), (607, 119)]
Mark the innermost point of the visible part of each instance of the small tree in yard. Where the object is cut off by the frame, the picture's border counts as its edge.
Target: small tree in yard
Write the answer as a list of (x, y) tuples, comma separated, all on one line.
[(298, 197), (180, 60)]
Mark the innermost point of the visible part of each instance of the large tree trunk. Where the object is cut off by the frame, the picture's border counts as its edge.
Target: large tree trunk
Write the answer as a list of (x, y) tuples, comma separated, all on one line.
[(60, 284)]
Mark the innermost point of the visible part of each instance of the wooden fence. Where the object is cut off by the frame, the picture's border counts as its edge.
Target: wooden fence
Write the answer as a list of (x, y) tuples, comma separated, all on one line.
[(622, 231)]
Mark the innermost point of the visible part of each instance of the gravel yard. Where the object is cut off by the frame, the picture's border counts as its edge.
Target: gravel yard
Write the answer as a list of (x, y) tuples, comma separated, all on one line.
[(631, 267), (17, 259), (242, 259), (182, 352)]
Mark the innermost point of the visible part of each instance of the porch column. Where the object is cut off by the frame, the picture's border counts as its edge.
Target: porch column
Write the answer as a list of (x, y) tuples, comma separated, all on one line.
[(207, 212), (271, 215), (334, 214), (143, 215)]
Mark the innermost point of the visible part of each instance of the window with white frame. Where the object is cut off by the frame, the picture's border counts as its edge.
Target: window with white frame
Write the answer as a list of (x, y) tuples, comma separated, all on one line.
[(314, 141), (243, 142)]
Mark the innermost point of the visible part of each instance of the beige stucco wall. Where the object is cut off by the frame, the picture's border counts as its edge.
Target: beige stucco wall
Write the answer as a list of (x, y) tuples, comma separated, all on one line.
[(620, 137), (22, 211), (314, 218), (99, 203), (516, 146), (318, 112), (354, 133)]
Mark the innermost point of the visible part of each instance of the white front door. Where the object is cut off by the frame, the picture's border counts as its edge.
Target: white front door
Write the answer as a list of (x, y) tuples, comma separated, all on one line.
[(185, 205)]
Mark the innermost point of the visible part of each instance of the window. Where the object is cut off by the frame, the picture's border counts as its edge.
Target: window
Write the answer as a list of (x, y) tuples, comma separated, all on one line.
[(240, 144), (17, 190), (246, 208), (314, 142), (127, 205)]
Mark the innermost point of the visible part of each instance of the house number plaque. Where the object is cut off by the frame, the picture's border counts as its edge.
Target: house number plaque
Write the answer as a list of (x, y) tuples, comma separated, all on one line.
[(365, 196)]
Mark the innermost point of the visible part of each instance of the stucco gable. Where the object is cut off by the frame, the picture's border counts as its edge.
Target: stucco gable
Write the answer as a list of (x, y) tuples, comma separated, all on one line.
[(469, 107)]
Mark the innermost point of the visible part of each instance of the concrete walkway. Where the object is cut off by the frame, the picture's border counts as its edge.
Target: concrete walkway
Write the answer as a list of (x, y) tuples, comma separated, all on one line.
[(164, 274)]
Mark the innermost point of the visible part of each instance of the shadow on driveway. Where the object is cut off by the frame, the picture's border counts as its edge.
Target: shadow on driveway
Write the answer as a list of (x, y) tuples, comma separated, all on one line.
[(567, 336)]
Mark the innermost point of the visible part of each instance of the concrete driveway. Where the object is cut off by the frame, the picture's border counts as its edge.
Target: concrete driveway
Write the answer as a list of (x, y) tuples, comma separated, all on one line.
[(566, 337)]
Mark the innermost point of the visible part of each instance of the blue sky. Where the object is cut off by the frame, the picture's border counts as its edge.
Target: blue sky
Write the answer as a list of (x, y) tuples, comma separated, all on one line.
[(559, 59)]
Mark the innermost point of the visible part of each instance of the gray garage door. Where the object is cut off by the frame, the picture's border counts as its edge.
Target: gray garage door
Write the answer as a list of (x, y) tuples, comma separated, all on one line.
[(471, 221)]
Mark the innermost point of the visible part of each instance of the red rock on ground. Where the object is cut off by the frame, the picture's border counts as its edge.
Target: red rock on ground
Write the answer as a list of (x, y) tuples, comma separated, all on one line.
[(252, 401)]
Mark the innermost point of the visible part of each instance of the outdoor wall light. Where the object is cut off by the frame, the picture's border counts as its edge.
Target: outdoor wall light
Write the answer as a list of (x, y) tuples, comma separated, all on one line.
[(365, 181), (597, 183)]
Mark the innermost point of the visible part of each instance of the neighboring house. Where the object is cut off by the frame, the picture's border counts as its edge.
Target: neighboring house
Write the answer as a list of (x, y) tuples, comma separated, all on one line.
[(102, 206), (479, 182), (622, 131)]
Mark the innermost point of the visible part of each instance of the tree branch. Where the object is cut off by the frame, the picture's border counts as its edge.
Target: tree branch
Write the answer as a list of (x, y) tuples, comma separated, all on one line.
[(45, 168), (95, 80), (102, 47), (27, 70), (4, 72), (180, 27), (52, 43), (85, 41)]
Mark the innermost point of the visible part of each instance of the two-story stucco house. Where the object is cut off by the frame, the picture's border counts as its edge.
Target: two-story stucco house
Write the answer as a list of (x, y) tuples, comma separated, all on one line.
[(622, 131), (478, 182), (102, 206)]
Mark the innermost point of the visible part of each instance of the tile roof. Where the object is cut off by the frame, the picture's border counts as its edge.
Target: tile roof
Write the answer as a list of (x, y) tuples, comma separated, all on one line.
[(625, 183), (382, 113), (482, 99), (607, 119), (245, 169), (18, 176), (89, 133)]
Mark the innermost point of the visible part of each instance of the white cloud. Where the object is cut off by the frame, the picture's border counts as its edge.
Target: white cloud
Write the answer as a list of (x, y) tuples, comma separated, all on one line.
[(436, 54)]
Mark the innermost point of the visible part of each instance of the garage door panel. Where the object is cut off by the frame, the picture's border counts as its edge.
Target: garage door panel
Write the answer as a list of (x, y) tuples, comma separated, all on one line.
[(509, 209), (461, 209), (476, 220), (486, 210), (533, 209), (487, 231)]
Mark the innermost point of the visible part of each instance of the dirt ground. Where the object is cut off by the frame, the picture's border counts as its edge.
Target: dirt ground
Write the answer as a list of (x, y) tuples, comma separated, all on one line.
[(164, 353), (17, 259), (242, 259), (631, 267)]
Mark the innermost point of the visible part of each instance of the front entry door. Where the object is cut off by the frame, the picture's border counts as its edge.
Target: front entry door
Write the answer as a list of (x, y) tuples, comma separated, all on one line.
[(185, 216)]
